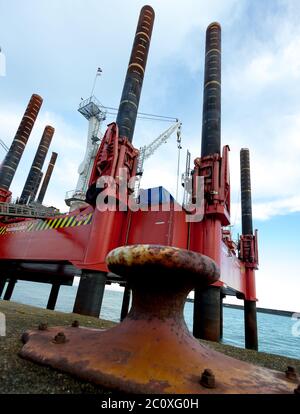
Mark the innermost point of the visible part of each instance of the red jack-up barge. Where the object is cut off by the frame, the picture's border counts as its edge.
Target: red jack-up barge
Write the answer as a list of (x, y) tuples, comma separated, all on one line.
[(55, 248)]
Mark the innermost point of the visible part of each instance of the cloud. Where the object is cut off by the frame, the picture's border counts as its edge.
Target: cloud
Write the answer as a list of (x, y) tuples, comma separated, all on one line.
[(62, 43), (264, 211), (265, 67), (275, 169)]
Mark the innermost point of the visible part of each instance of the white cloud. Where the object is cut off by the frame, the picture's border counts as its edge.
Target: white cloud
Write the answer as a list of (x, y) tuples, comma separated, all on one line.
[(264, 211), (269, 54), (271, 274)]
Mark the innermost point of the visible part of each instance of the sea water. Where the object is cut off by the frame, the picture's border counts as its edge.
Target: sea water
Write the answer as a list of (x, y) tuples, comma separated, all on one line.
[(275, 332)]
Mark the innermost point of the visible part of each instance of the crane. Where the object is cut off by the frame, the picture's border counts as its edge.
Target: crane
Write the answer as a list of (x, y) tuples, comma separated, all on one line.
[(95, 113), (146, 151)]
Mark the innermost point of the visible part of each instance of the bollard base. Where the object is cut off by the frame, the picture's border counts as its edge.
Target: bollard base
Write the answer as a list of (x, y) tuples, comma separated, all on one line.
[(140, 356), (151, 350)]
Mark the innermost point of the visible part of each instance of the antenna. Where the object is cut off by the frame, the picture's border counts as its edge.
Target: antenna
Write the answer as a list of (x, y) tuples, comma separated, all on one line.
[(98, 73)]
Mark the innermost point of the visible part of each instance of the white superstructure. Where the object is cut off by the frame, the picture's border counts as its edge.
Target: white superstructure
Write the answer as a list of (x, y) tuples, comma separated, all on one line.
[(95, 113)]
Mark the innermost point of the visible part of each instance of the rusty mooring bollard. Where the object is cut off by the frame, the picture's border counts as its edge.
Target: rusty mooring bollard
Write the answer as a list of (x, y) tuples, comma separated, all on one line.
[(152, 350)]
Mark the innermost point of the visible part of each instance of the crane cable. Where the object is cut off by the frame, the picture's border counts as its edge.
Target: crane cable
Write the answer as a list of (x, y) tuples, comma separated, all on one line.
[(3, 145), (178, 160), (233, 226), (143, 115)]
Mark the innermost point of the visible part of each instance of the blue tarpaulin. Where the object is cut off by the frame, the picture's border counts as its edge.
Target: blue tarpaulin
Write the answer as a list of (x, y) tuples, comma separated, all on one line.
[(155, 195)]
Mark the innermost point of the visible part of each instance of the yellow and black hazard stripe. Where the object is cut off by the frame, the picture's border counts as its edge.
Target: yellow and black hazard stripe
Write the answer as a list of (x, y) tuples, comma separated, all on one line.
[(2, 230), (61, 222), (53, 223)]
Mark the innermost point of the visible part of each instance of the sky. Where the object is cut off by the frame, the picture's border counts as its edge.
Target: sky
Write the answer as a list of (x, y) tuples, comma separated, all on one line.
[(54, 48)]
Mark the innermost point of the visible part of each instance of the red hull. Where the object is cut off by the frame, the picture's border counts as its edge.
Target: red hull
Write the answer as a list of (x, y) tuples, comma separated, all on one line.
[(83, 238)]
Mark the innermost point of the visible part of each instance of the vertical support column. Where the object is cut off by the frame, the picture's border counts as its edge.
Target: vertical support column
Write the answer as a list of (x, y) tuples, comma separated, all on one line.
[(10, 289), (37, 187), (53, 296), (207, 306), (131, 93), (90, 293), (222, 296), (10, 164), (125, 302), (246, 200), (47, 178), (207, 313), (211, 122), (251, 339), (206, 324), (2, 286), (34, 176)]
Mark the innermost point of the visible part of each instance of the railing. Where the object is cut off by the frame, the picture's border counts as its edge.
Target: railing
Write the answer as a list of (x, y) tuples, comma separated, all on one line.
[(24, 211), (74, 195)]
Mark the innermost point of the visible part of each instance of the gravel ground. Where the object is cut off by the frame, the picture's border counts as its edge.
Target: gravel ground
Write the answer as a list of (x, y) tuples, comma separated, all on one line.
[(18, 376)]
